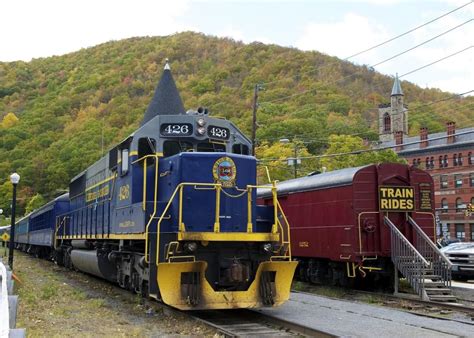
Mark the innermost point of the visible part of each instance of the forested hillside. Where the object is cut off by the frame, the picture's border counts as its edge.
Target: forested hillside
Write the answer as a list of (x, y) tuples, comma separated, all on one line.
[(60, 113)]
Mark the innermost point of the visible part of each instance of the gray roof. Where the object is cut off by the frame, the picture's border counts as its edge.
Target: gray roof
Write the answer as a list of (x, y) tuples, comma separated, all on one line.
[(435, 141), (397, 88), (334, 178)]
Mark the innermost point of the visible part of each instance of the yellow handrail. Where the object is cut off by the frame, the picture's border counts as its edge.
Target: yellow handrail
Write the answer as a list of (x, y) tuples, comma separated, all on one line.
[(179, 188), (276, 226), (144, 158)]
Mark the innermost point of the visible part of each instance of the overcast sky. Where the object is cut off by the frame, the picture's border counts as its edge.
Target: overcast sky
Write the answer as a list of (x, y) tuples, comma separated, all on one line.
[(32, 29)]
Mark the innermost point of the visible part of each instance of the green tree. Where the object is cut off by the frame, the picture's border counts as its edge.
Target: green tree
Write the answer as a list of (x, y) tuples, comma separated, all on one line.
[(35, 202), (346, 151), (9, 120)]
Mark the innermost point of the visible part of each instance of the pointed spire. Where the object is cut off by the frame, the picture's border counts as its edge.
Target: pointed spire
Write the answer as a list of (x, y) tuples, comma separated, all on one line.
[(397, 88), (166, 100)]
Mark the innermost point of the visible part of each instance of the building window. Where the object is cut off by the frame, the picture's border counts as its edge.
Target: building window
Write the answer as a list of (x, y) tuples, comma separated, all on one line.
[(455, 160), (445, 161), (459, 159), (418, 162), (386, 122), (441, 161), (471, 179), (460, 205), (460, 231), (432, 162), (414, 162), (458, 180), (443, 181), (427, 163), (470, 158), (472, 232), (444, 205)]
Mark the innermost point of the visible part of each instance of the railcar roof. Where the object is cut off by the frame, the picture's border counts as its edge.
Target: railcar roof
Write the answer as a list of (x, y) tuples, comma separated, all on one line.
[(334, 178), (48, 206)]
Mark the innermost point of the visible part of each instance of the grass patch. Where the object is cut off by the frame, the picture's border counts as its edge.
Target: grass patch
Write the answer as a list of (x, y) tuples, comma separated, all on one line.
[(48, 291), (97, 303)]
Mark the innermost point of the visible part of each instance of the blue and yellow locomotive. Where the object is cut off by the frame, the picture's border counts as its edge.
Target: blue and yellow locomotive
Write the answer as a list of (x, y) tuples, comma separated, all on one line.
[(171, 213)]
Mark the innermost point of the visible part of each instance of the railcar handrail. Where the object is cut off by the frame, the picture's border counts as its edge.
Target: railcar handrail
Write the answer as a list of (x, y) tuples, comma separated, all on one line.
[(407, 259), (440, 263)]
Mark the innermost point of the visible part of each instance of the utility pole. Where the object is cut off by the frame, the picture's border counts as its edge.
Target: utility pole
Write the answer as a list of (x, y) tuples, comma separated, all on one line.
[(254, 116), (14, 178)]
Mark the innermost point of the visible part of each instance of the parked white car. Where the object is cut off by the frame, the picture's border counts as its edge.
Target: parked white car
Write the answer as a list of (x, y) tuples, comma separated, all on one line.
[(461, 256)]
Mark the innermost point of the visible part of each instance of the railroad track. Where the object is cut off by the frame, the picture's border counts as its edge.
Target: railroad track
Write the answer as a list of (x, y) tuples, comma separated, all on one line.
[(245, 323)]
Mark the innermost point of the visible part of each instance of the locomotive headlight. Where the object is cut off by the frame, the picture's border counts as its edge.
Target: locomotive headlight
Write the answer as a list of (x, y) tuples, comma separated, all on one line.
[(191, 246), (201, 122), (201, 130), (267, 247)]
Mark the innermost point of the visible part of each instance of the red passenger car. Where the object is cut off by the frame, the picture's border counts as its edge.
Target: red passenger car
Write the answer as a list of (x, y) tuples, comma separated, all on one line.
[(337, 223)]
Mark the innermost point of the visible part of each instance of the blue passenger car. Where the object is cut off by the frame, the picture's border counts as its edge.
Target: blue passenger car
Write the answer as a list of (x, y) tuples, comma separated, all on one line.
[(42, 222), (21, 232)]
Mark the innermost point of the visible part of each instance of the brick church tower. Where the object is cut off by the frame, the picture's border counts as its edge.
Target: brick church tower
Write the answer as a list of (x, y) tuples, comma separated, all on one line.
[(393, 118)]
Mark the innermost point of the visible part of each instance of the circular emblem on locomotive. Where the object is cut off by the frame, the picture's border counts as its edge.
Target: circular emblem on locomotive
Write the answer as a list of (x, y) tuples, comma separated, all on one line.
[(224, 172)]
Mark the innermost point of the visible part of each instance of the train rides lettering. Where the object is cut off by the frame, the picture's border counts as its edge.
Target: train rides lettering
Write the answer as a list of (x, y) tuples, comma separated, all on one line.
[(396, 199), (93, 195)]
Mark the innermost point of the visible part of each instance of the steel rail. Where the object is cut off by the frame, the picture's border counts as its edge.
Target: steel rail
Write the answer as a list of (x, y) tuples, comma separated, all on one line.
[(248, 322)]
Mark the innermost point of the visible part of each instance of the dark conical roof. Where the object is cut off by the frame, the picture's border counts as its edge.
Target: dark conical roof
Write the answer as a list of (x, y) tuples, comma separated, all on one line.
[(166, 100)]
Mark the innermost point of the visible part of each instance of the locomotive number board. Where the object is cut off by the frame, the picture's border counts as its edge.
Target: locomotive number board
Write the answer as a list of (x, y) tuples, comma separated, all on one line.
[(176, 129), (219, 133), (396, 198)]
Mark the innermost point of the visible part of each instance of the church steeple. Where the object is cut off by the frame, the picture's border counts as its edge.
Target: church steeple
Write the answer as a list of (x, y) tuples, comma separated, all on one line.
[(397, 88), (166, 100), (393, 118)]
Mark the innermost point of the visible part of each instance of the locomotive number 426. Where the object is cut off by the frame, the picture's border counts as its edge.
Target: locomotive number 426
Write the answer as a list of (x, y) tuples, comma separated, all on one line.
[(218, 132), (176, 129)]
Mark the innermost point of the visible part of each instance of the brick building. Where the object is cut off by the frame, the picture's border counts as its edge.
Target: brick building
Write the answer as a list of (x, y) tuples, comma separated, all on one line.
[(447, 155)]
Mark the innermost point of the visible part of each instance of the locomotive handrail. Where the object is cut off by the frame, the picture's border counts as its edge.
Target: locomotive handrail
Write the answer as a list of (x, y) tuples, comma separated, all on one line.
[(179, 188), (218, 188), (147, 259)]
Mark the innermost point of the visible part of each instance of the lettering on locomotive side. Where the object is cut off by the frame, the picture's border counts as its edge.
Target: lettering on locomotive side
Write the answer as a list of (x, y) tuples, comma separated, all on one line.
[(102, 192), (396, 199)]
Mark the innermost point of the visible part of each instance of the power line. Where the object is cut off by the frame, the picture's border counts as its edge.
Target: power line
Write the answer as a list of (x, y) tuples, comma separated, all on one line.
[(407, 32), (356, 73), (432, 63), (357, 152), (300, 136), (421, 44), (384, 42)]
